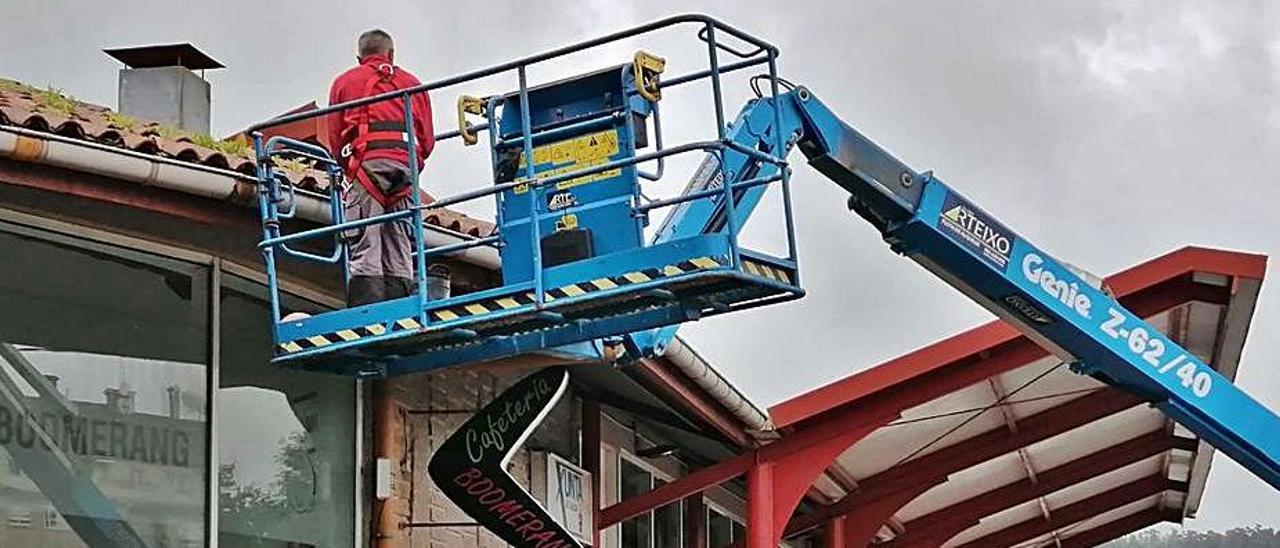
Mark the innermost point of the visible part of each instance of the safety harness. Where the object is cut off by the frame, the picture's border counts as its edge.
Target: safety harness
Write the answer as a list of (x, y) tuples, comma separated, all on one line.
[(369, 135)]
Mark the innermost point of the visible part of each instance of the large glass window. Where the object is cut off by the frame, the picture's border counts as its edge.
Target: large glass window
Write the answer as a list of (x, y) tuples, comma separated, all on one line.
[(660, 528), (635, 481), (286, 463), (723, 530), (668, 528), (103, 392)]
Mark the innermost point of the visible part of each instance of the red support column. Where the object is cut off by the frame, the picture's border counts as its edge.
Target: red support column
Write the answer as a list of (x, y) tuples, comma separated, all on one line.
[(835, 533), (591, 459), (760, 506), (866, 520), (692, 483), (798, 458), (796, 472), (695, 521)]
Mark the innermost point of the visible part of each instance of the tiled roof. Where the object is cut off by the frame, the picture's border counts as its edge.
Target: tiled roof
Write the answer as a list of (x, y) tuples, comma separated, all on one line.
[(50, 111)]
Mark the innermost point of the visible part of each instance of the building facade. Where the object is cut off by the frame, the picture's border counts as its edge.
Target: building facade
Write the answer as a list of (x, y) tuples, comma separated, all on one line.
[(161, 398), (138, 407)]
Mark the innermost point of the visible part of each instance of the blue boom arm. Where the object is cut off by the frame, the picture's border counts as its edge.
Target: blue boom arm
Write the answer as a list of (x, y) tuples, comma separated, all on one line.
[(924, 219), (755, 127)]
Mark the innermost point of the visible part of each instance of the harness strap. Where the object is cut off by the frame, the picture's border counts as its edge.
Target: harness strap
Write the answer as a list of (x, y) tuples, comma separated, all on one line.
[(369, 135), (387, 125), (387, 200)]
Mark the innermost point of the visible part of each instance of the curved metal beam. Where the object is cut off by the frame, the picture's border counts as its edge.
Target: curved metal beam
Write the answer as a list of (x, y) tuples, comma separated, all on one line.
[(940, 525), (1077, 511)]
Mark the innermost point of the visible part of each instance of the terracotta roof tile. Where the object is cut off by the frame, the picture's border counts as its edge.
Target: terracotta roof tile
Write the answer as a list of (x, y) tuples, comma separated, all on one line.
[(29, 108), (54, 113)]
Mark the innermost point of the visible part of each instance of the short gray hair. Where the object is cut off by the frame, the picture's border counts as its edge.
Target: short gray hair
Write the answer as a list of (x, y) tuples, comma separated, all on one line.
[(374, 42)]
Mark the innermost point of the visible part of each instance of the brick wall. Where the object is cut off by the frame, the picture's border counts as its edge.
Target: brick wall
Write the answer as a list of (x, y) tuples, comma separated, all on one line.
[(429, 408)]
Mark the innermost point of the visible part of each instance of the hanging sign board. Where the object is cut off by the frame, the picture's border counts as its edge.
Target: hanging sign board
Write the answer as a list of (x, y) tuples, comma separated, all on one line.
[(471, 466), (569, 496)]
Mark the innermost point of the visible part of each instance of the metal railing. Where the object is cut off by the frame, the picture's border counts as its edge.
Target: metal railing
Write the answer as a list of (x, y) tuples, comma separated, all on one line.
[(275, 190)]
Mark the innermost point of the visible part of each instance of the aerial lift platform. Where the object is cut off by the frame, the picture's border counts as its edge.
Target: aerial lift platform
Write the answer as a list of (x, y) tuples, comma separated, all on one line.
[(577, 273), (579, 277)]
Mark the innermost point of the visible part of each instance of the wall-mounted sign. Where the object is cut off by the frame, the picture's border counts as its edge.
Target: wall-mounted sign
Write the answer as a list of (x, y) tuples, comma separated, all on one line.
[(471, 466), (569, 496)]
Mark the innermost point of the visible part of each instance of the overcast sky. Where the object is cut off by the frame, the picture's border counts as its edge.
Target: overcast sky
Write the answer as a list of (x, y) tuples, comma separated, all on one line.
[(1107, 133)]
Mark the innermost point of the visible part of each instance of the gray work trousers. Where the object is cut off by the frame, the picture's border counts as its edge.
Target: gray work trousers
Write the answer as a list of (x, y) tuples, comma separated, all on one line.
[(385, 249)]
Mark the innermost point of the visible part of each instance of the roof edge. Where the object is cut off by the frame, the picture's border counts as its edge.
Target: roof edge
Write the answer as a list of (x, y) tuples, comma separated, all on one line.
[(927, 359), (703, 374), (30, 146)]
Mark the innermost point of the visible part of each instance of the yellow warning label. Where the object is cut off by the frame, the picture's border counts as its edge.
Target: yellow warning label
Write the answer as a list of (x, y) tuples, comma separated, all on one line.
[(592, 146), (576, 154)]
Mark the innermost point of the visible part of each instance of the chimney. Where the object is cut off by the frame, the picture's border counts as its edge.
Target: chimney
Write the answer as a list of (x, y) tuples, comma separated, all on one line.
[(159, 83), (175, 401), (119, 400)]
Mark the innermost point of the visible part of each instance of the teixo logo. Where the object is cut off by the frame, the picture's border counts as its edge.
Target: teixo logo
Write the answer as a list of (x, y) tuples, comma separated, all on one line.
[(1035, 271), (972, 223), (977, 231)]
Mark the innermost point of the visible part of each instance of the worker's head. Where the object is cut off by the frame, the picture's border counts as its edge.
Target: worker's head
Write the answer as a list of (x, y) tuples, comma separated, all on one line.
[(375, 42)]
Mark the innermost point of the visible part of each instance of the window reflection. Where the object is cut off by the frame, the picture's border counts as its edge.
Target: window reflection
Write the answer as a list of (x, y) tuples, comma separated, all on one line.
[(634, 481), (286, 466), (722, 530), (667, 526), (102, 395)]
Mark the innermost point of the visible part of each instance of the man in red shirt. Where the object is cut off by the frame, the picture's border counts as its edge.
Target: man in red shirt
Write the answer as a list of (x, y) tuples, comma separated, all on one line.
[(372, 143)]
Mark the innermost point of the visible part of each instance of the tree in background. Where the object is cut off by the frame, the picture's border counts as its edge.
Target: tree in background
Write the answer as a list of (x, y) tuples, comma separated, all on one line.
[(297, 478), (1239, 537), (250, 511)]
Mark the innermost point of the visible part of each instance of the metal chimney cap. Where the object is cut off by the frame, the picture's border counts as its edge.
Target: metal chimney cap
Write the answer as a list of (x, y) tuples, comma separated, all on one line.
[(170, 55)]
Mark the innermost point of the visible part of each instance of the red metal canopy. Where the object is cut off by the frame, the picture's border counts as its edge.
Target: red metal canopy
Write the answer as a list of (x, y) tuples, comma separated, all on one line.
[(984, 439)]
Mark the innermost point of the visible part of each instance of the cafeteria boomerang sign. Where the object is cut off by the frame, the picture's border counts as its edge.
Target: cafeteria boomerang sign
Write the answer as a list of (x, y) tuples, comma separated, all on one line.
[(471, 466)]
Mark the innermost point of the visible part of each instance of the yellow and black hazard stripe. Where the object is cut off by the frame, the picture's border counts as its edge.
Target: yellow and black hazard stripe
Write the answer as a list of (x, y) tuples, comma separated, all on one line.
[(636, 277), (517, 300), (479, 308), (766, 270), (507, 302), (345, 335)]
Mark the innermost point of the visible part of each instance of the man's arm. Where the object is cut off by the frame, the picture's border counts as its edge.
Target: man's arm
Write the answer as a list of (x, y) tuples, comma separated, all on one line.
[(424, 131), (334, 121)]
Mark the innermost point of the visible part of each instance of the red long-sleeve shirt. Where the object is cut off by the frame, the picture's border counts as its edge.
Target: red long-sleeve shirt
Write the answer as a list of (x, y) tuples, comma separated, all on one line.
[(354, 84)]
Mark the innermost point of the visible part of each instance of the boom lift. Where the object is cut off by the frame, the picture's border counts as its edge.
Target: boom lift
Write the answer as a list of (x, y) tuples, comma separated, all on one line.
[(582, 275)]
